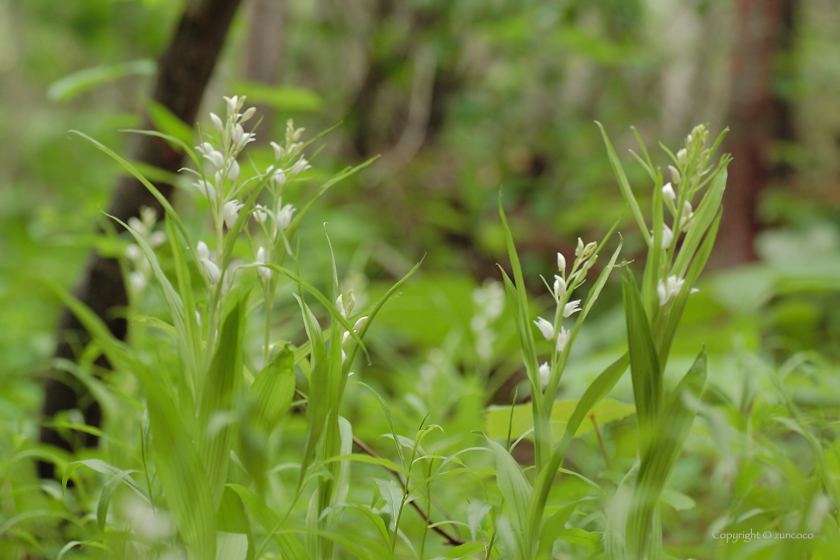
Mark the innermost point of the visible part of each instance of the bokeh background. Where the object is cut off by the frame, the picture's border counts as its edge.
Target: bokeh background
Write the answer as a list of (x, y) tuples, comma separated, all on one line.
[(459, 99)]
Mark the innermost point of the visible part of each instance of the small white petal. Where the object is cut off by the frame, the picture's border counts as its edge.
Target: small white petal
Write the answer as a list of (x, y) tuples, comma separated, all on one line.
[(248, 114), (561, 262), (571, 308), (157, 239), (562, 339), (299, 166), (675, 175), (278, 151), (682, 157), (216, 159), (580, 247), (232, 104), (559, 286), (133, 252), (217, 122), (284, 216), (360, 323), (231, 212), (260, 213), (545, 373), (137, 280), (668, 192), (213, 272), (279, 178), (233, 172), (667, 236), (202, 250), (138, 226), (546, 328)]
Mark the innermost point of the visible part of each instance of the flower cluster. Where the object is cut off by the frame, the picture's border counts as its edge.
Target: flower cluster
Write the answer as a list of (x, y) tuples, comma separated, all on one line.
[(686, 181), (345, 311), (141, 269), (564, 285)]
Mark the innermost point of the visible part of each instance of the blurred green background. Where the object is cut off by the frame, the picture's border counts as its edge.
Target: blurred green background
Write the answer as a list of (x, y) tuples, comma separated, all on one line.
[(459, 98)]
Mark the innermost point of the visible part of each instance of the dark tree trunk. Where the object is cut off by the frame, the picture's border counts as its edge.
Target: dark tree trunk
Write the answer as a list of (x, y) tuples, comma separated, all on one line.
[(758, 118), (184, 69)]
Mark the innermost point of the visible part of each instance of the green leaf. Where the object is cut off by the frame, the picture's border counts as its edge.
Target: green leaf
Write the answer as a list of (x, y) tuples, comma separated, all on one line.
[(220, 388), (81, 81), (624, 185), (290, 546), (590, 539), (182, 475), (105, 497), (596, 391), (284, 98), (466, 550), (516, 490), (553, 527), (659, 456), (521, 420), (644, 362), (273, 389), (166, 122), (231, 546)]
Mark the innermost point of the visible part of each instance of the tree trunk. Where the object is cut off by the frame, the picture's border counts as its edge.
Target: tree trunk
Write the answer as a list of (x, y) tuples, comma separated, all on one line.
[(758, 118), (184, 69)]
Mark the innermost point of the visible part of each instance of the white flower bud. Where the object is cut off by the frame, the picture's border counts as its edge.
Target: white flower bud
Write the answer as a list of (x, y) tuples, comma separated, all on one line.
[(213, 272), (561, 262), (559, 286), (589, 249), (137, 280), (261, 258), (299, 166), (344, 337), (668, 192), (360, 323), (284, 216), (202, 250), (260, 213), (279, 178), (668, 289), (571, 308), (233, 172), (133, 252), (138, 226), (279, 152), (580, 247), (667, 236), (248, 114), (675, 174), (546, 328), (217, 122), (545, 373), (351, 301), (157, 239), (562, 339), (682, 157), (231, 212), (232, 104), (339, 305), (216, 158)]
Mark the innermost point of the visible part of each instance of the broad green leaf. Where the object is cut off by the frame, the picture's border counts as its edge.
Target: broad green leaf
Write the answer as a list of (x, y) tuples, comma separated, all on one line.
[(284, 98), (645, 370), (273, 389), (105, 496), (232, 518), (589, 539), (166, 122), (659, 455), (520, 418), (516, 491), (552, 528), (182, 475), (289, 545), (85, 80), (220, 388), (596, 391), (231, 546), (466, 550), (615, 534)]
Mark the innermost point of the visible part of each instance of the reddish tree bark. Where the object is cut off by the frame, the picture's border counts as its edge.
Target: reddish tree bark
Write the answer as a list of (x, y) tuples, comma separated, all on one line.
[(758, 117), (184, 69)]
